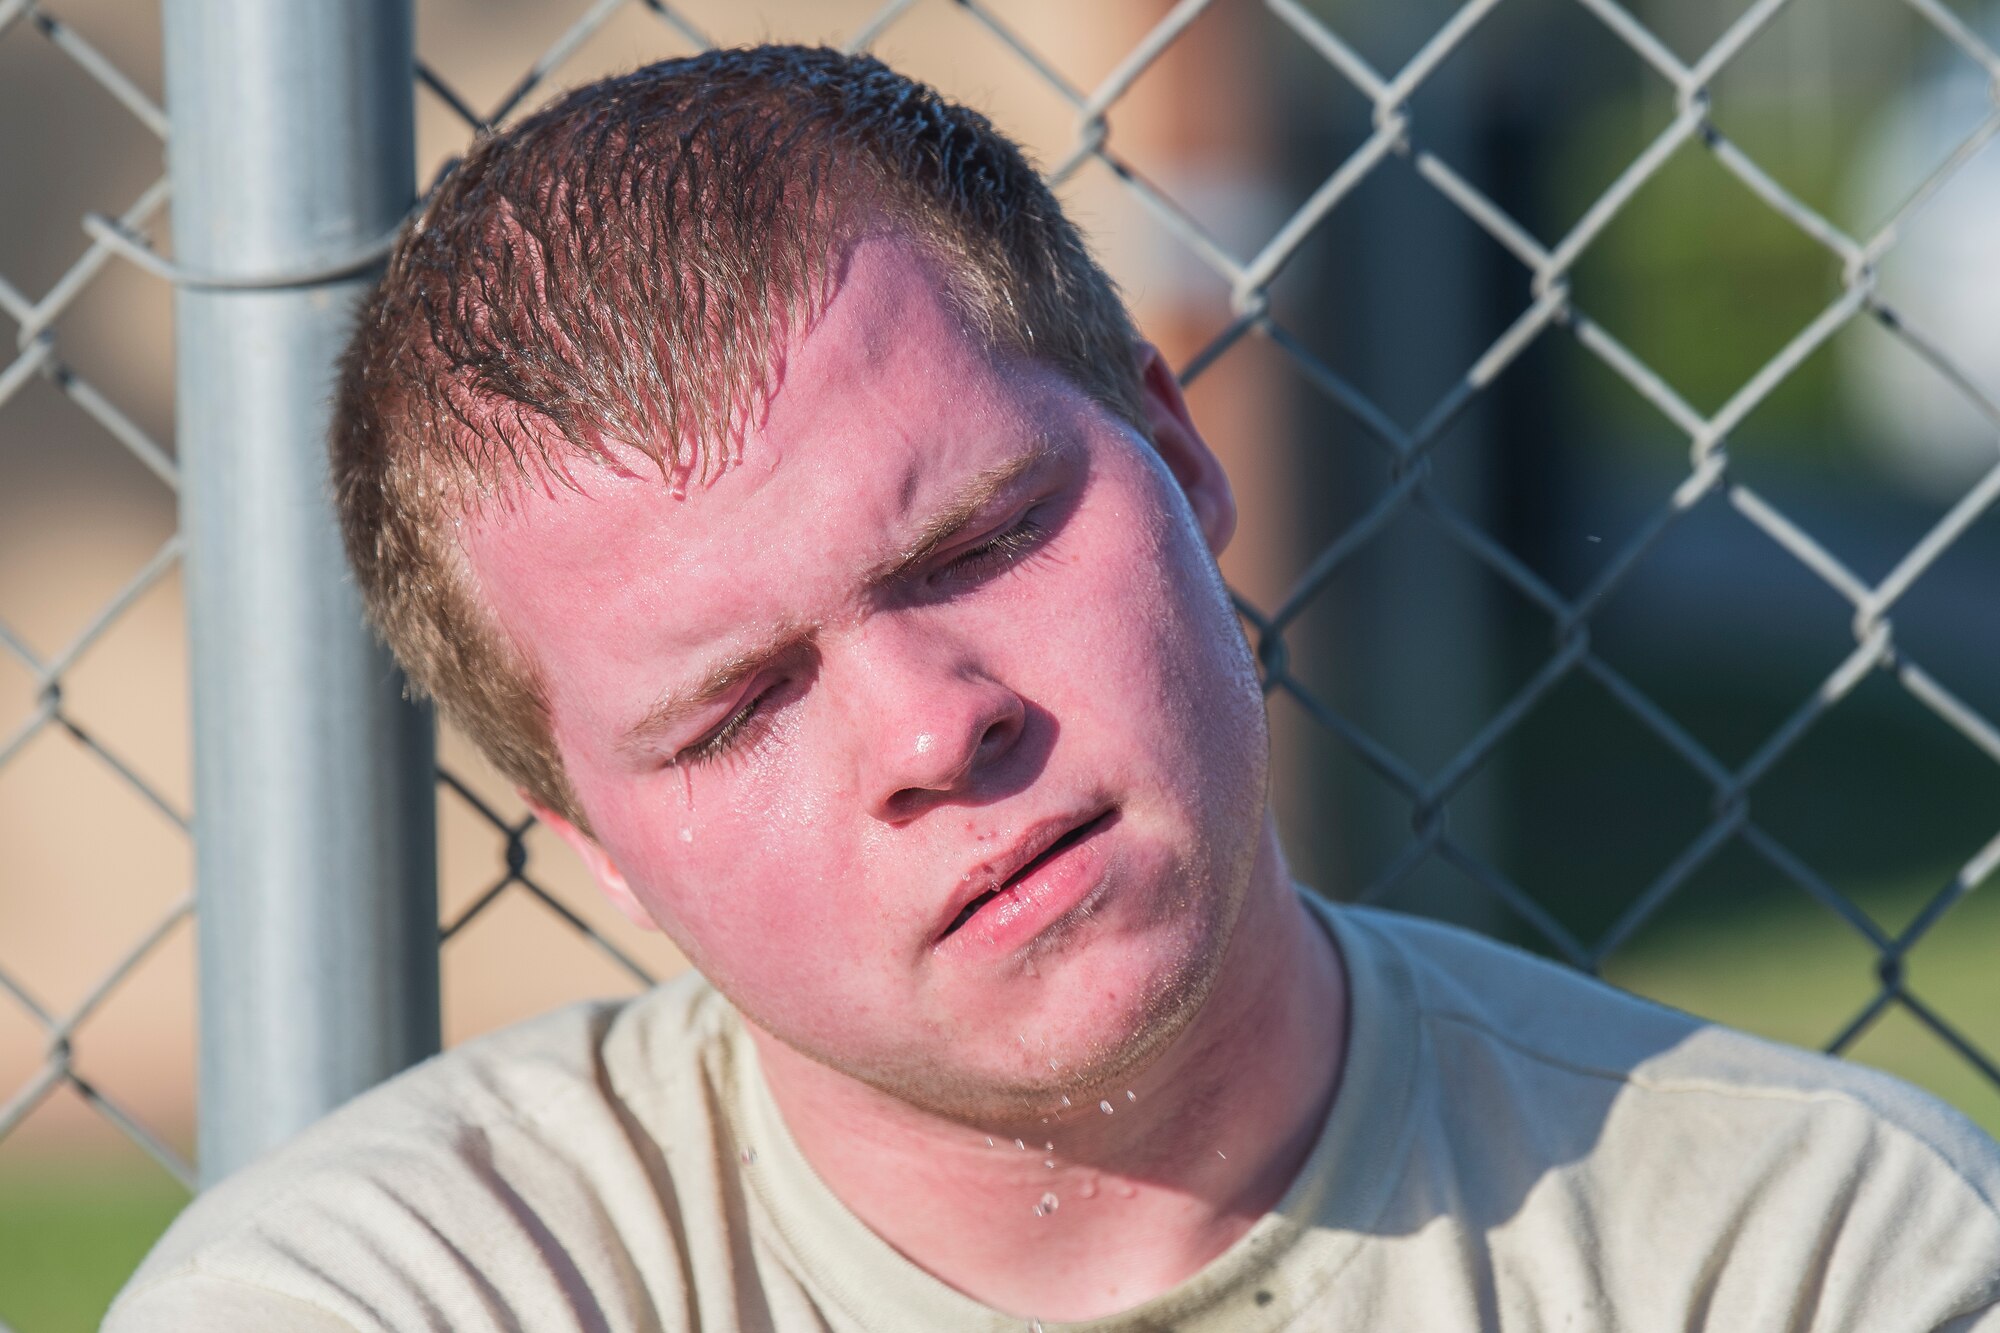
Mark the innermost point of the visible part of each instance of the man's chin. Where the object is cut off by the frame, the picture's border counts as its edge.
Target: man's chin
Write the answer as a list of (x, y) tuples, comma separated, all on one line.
[(1086, 1055), (1094, 1012)]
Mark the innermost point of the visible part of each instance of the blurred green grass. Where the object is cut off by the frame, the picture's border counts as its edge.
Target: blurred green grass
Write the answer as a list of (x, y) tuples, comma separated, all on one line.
[(1780, 966), (70, 1232), (1789, 969)]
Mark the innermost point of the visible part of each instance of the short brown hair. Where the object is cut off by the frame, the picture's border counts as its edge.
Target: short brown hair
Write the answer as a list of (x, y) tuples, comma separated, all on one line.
[(625, 267)]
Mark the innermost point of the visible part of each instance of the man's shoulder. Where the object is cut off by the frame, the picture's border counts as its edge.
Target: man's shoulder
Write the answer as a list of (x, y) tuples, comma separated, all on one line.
[(1690, 1160), (1471, 991), (516, 1129)]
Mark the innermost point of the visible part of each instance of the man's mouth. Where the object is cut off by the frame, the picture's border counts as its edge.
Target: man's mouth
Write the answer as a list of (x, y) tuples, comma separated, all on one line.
[(1033, 864)]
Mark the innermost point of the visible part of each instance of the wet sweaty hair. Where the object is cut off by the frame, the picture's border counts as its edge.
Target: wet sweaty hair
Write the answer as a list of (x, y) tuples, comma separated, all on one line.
[(625, 269)]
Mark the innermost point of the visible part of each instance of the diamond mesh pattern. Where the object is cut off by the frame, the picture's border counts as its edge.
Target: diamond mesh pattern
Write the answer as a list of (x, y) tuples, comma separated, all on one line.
[(37, 322)]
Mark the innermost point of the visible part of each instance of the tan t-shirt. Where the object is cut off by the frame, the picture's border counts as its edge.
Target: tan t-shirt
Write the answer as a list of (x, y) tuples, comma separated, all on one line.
[(1513, 1146)]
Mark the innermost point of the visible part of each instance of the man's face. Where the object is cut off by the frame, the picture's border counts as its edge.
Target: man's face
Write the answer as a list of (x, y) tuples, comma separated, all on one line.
[(926, 730)]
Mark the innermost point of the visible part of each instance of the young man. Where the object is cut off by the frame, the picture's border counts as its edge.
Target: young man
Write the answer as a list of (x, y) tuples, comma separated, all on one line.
[(749, 455)]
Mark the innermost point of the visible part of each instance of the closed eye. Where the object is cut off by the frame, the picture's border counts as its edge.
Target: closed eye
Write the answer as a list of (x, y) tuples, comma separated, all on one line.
[(741, 725), (999, 551)]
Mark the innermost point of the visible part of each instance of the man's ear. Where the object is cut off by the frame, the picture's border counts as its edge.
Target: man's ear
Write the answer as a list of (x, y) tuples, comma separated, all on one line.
[(608, 876), (1186, 454)]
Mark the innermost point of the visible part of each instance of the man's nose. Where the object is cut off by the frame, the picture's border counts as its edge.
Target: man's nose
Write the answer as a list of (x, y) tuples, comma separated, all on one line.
[(929, 719)]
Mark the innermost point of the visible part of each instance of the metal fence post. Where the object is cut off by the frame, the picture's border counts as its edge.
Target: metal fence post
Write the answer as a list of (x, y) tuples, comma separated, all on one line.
[(292, 145)]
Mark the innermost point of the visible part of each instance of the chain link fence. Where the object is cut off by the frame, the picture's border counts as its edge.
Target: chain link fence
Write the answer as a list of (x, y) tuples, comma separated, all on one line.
[(46, 668), (492, 856)]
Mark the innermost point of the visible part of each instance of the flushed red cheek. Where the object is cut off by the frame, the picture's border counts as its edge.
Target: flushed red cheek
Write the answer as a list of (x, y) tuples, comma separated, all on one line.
[(748, 886)]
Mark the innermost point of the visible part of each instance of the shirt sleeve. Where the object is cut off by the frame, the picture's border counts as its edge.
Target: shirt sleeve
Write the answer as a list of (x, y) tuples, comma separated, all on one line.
[(189, 1302)]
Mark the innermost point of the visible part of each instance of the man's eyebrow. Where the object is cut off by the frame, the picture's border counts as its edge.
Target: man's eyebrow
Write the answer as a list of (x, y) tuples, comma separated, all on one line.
[(950, 518), (939, 528)]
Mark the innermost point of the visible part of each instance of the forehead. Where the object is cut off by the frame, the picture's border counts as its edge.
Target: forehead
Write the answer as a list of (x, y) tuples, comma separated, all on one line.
[(887, 403)]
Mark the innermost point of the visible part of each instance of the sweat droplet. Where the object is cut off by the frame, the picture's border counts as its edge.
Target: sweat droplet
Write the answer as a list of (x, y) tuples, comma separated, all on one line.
[(1131, 1096), (1022, 1146), (989, 1140), (1104, 1107), (749, 1156), (1048, 1147), (1066, 1099), (1046, 1205), (1050, 1163), (1223, 1155), (687, 835), (1089, 1187)]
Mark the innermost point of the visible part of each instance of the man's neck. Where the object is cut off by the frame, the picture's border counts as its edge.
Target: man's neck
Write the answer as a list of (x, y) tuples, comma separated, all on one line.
[(1208, 1140)]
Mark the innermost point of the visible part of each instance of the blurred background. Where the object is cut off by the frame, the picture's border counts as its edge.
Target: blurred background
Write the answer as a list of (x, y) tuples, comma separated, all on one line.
[(1594, 394)]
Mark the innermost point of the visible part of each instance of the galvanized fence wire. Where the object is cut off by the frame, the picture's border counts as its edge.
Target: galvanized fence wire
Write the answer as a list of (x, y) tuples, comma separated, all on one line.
[(1548, 310), (35, 356)]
